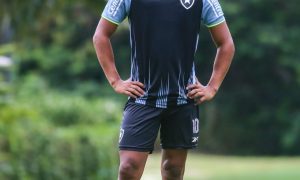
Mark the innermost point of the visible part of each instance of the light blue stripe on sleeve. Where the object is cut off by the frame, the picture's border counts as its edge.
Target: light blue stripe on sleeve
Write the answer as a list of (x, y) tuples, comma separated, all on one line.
[(212, 13), (116, 11)]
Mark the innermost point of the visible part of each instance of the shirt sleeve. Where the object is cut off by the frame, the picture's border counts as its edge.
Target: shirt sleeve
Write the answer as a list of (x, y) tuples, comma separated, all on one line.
[(116, 11), (212, 13)]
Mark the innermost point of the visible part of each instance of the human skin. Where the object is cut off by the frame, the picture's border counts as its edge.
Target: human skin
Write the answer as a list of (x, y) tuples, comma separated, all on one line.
[(132, 163), (225, 51), (200, 93)]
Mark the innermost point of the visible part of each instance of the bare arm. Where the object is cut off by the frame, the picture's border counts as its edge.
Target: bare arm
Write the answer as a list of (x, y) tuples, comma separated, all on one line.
[(105, 55), (225, 51)]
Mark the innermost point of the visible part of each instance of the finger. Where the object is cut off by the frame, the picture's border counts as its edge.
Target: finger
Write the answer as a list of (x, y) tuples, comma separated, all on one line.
[(197, 95), (135, 92), (192, 92), (201, 100), (140, 90), (191, 86), (194, 86), (138, 84), (128, 93)]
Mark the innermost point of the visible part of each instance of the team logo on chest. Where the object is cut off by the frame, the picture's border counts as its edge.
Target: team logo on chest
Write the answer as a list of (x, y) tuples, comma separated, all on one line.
[(187, 4)]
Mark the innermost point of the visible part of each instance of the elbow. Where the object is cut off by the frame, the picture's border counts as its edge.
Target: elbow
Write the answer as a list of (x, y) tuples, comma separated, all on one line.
[(231, 47), (99, 39), (96, 39), (228, 47)]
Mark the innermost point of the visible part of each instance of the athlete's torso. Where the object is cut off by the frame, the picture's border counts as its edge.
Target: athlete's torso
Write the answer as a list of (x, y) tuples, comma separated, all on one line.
[(164, 37)]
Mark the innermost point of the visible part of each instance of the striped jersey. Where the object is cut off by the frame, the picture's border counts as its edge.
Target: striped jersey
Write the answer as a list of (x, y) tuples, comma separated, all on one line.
[(164, 38)]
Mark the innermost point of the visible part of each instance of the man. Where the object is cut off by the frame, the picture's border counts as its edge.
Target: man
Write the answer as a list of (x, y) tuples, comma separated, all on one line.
[(163, 89)]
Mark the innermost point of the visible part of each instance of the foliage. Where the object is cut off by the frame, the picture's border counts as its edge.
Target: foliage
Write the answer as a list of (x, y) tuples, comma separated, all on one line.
[(37, 150), (50, 135)]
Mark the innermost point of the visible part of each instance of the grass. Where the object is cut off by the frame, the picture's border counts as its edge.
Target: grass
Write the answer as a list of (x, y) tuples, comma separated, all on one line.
[(209, 167)]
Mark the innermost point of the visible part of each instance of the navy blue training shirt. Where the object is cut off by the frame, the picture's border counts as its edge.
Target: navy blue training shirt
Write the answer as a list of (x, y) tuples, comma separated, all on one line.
[(164, 38)]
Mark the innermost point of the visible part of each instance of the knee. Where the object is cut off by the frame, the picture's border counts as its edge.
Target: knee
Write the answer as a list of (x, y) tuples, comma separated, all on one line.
[(128, 169), (172, 170)]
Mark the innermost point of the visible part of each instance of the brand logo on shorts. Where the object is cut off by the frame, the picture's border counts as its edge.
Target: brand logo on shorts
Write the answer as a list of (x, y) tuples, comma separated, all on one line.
[(121, 135), (187, 4), (195, 139)]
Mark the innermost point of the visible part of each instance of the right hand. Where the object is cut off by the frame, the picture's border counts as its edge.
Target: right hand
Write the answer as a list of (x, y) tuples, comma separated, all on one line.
[(130, 88)]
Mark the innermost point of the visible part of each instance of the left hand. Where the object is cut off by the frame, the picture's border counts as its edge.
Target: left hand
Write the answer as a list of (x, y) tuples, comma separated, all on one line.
[(200, 93)]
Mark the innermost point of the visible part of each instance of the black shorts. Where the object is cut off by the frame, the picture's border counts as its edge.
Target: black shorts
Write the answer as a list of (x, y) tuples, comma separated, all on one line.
[(179, 127)]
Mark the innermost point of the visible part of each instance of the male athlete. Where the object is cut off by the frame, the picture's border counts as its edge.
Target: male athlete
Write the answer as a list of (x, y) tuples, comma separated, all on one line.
[(163, 89)]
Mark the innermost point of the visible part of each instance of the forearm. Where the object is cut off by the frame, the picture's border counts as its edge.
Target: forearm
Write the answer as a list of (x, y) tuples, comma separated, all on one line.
[(222, 63), (105, 56)]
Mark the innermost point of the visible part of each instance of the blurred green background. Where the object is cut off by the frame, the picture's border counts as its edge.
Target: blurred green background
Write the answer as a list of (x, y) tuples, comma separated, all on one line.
[(59, 118)]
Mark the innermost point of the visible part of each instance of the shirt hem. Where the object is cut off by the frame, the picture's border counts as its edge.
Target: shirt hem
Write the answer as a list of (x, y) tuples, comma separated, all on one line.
[(110, 20), (137, 149), (179, 146), (161, 107), (216, 24)]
